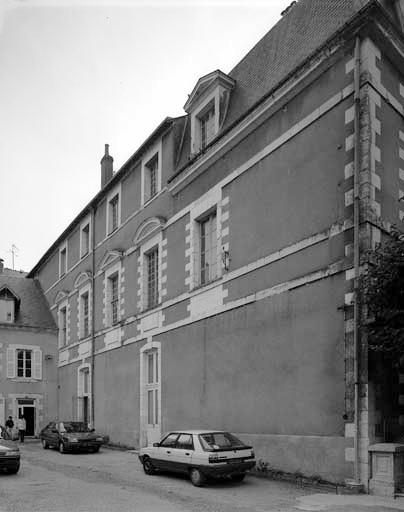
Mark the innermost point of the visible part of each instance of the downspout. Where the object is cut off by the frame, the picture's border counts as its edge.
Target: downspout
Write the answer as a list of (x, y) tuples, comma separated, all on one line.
[(93, 210), (357, 163)]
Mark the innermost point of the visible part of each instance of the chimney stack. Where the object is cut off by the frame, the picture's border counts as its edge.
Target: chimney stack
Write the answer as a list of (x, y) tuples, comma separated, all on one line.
[(106, 167), (1, 265)]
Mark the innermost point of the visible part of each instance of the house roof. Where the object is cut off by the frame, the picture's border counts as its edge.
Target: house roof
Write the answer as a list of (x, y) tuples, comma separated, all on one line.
[(33, 308), (304, 29)]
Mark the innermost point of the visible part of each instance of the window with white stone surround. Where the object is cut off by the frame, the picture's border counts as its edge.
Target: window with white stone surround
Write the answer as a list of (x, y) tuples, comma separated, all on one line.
[(203, 252), (84, 311), (150, 271), (112, 295)]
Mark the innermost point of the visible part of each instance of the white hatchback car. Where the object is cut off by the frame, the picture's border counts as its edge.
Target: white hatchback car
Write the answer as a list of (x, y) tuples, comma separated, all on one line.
[(200, 454)]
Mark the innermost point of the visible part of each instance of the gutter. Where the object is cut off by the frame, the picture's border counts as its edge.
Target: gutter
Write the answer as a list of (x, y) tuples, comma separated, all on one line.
[(93, 212), (357, 163)]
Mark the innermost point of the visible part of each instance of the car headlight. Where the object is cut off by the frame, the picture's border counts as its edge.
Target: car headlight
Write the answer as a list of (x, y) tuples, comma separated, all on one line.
[(99, 439), (12, 453)]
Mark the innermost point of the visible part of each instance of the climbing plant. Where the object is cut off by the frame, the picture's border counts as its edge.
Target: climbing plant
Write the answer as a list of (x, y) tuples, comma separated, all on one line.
[(382, 288)]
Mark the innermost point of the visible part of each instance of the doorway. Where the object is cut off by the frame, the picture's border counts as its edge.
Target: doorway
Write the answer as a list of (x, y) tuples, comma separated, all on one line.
[(150, 397), (26, 408)]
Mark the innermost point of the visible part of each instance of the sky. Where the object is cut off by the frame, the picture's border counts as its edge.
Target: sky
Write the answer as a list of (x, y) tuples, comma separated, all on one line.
[(77, 74)]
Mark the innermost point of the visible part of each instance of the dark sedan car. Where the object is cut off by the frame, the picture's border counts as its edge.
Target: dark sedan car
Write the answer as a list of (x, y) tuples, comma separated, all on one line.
[(9, 453), (71, 436)]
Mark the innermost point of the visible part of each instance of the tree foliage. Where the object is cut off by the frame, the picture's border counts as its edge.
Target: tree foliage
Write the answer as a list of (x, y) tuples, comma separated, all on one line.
[(383, 294)]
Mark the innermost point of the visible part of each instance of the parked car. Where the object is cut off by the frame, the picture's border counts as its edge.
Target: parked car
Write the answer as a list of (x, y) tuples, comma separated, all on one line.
[(200, 454), (71, 436), (9, 453)]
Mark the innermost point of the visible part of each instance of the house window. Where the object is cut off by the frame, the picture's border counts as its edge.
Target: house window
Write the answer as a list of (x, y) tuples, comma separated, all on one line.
[(207, 126), (62, 261), (152, 388), (152, 278), (151, 177), (62, 327), (113, 207), (208, 249), (114, 298), (24, 363), (85, 240), (7, 307), (84, 316)]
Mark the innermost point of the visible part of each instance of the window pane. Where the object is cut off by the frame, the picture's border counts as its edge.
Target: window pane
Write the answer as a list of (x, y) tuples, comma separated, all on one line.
[(150, 408), (152, 278), (150, 360), (208, 249), (156, 406), (113, 281)]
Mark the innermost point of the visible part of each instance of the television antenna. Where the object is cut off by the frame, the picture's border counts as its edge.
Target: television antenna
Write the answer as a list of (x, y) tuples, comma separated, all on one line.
[(14, 253)]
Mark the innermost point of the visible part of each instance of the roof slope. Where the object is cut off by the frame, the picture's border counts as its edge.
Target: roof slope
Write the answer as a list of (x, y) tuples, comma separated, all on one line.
[(34, 309), (305, 28)]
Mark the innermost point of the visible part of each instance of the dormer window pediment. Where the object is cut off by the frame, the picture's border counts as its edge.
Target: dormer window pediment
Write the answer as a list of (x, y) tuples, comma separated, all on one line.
[(207, 107)]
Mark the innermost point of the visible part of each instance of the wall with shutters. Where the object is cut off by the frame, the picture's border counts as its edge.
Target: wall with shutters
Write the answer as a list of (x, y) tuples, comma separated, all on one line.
[(42, 385)]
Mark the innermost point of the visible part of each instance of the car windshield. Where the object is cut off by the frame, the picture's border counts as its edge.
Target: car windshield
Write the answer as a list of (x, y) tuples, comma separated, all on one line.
[(220, 441), (73, 426)]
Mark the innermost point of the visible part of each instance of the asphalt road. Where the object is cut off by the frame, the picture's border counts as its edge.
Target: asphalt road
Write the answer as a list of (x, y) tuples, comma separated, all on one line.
[(114, 481)]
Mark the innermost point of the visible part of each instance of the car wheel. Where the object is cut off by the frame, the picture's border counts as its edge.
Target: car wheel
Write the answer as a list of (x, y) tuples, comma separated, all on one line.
[(96, 449), (13, 471), (62, 448), (197, 478), (238, 478), (148, 466), (45, 444)]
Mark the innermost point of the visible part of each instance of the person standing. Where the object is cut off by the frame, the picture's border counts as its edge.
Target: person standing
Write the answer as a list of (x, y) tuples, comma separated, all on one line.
[(10, 426), (21, 426)]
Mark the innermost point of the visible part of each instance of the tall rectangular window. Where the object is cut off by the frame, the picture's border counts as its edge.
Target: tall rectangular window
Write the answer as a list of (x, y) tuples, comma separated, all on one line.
[(62, 327), (114, 298), (62, 262), (85, 324), (151, 177), (208, 249), (24, 363), (152, 278), (207, 126), (113, 213), (85, 240)]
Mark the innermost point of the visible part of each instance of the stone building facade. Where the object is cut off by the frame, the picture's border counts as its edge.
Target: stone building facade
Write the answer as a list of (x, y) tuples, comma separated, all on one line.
[(211, 283)]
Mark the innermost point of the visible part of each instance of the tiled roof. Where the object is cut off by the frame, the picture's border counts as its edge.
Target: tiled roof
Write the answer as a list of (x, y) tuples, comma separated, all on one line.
[(33, 309), (297, 35)]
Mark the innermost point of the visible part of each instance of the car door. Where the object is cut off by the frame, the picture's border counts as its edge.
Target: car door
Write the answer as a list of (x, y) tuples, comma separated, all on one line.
[(51, 434), (181, 455), (164, 451)]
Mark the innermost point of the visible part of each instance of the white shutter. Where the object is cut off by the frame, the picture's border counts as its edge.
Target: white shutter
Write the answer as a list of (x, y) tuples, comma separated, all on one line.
[(38, 364), (2, 411), (10, 363)]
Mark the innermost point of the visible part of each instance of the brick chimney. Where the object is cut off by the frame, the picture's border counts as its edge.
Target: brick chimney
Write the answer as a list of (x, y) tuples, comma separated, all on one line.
[(106, 167), (1, 265)]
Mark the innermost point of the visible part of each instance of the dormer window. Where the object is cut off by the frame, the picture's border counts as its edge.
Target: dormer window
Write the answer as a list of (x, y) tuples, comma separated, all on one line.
[(8, 305), (207, 106), (207, 125)]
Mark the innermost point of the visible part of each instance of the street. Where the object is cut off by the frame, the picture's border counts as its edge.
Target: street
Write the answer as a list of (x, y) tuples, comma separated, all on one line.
[(114, 480)]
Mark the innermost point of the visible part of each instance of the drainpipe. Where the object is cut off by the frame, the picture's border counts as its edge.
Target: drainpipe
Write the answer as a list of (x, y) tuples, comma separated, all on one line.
[(357, 163), (93, 211)]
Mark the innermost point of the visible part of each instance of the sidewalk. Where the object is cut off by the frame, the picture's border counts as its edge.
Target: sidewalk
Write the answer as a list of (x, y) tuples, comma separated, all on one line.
[(362, 502)]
